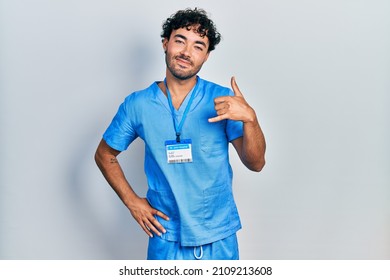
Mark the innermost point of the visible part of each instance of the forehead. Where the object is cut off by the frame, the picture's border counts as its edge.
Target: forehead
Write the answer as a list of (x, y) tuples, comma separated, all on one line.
[(191, 34)]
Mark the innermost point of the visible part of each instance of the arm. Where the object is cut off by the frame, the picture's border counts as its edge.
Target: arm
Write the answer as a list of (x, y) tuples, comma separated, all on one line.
[(250, 147), (140, 209)]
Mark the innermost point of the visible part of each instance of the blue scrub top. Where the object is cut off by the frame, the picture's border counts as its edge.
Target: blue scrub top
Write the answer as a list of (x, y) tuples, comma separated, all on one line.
[(197, 196)]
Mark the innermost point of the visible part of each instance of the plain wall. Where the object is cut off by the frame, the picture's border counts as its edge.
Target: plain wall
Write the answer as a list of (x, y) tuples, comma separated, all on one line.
[(316, 72)]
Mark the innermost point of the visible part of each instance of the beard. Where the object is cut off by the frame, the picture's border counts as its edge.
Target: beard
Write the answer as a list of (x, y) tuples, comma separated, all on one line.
[(177, 71)]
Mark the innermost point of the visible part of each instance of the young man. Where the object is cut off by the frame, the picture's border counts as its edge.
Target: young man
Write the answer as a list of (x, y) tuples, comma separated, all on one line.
[(186, 123)]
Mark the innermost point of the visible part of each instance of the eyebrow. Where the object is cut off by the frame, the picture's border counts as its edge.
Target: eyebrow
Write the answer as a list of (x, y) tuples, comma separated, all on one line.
[(196, 42)]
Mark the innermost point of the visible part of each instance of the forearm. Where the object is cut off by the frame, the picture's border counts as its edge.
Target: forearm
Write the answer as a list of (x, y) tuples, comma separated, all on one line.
[(106, 160), (253, 146), (140, 209)]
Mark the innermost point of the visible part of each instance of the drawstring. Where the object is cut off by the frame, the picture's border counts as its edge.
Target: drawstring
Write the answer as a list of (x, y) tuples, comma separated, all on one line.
[(201, 253)]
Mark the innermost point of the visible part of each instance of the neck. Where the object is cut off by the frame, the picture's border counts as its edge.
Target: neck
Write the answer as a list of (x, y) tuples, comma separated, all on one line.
[(179, 88)]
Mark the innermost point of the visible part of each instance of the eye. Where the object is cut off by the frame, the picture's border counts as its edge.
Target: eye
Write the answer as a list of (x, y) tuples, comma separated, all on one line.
[(199, 48), (179, 41)]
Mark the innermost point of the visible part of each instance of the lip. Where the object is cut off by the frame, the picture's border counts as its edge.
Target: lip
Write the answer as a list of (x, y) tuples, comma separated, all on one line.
[(183, 62)]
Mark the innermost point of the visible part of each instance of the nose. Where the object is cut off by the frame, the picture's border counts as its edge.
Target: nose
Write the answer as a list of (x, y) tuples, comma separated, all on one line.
[(186, 50)]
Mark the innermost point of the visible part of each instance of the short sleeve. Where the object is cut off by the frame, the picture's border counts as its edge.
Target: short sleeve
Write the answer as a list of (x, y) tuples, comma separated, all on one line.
[(234, 129), (121, 132)]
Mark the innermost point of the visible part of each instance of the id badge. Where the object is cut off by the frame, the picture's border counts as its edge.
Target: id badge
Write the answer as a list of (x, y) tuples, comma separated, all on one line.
[(179, 152)]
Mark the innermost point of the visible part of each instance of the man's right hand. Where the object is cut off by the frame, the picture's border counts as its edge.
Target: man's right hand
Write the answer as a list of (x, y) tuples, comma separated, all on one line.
[(145, 215)]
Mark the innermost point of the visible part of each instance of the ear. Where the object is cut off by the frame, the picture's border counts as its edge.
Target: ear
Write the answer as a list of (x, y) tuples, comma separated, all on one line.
[(165, 44), (207, 56)]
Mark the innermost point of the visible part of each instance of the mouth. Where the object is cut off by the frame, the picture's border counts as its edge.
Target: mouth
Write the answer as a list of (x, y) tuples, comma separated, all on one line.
[(183, 61)]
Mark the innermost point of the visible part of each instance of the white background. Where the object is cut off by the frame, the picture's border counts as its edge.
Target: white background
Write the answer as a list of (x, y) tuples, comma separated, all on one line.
[(317, 73)]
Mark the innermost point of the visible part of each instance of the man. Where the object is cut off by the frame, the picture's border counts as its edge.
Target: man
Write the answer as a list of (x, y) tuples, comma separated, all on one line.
[(186, 123)]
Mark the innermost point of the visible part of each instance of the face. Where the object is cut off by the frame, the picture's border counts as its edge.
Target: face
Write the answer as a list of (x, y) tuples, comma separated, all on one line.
[(185, 53)]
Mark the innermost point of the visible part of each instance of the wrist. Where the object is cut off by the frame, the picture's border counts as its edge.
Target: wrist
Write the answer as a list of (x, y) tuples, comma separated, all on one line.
[(251, 119), (131, 200)]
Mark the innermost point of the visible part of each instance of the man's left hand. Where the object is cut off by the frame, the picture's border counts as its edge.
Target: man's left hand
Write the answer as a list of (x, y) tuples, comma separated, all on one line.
[(233, 107)]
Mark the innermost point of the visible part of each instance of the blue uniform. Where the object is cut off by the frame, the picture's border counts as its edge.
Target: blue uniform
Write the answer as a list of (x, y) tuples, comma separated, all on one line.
[(196, 196)]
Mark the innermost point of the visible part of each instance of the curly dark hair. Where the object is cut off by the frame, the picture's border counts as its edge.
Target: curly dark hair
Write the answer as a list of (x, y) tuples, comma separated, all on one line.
[(188, 18)]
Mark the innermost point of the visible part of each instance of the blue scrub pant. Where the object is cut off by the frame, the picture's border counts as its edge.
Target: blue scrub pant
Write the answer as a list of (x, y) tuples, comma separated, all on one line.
[(161, 249)]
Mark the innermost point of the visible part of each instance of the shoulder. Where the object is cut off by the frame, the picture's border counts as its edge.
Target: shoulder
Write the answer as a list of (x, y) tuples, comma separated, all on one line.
[(142, 95), (214, 88)]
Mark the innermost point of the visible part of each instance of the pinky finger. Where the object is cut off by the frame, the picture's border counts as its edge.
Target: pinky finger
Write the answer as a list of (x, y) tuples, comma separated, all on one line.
[(216, 119), (146, 230)]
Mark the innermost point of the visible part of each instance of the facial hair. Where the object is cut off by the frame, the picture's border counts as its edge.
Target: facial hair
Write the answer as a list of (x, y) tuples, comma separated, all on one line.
[(179, 73)]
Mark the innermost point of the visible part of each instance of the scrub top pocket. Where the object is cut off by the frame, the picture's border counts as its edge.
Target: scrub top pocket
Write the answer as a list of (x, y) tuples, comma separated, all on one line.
[(219, 206), (213, 138)]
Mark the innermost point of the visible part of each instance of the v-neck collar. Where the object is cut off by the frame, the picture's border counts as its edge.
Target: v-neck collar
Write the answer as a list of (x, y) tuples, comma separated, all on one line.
[(164, 99)]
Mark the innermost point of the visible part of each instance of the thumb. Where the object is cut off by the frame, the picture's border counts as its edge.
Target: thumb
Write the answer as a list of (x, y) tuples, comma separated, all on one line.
[(235, 88)]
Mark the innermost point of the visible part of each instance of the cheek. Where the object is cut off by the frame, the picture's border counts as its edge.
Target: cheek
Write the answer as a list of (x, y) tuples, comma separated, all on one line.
[(173, 48), (201, 59), (168, 53)]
